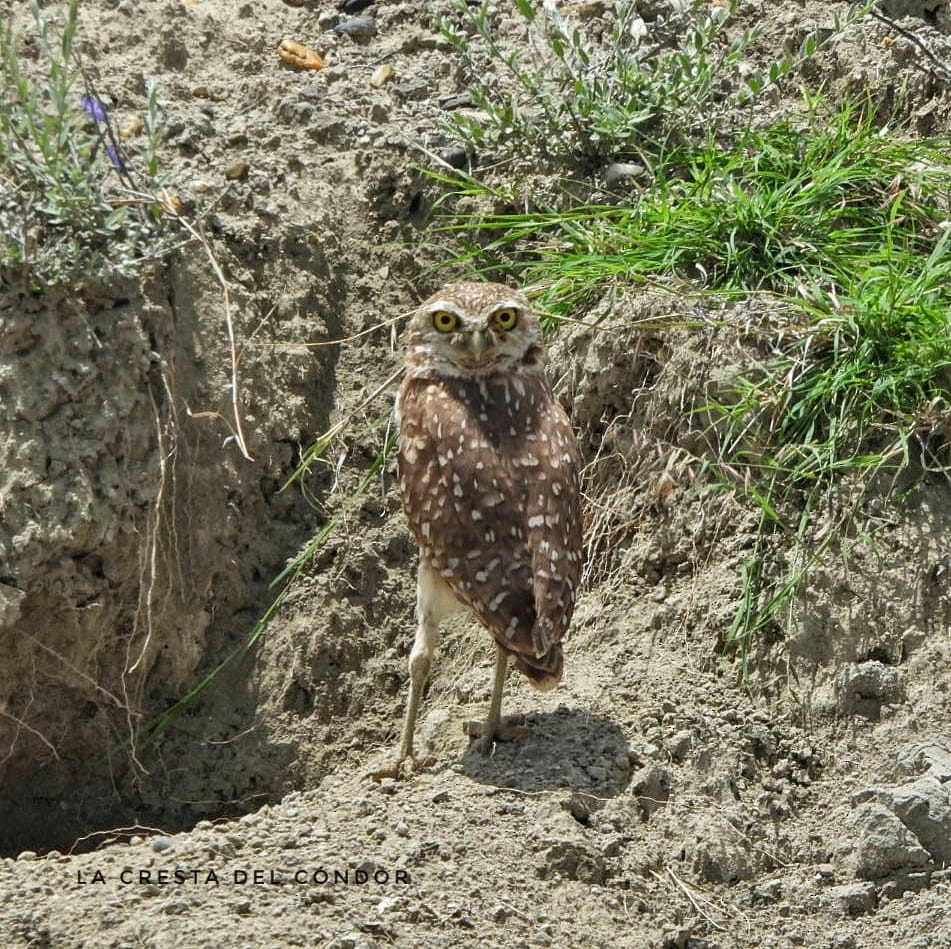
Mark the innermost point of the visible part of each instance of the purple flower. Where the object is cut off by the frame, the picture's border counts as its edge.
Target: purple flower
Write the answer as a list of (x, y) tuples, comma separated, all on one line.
[(94, 108), (115, 156)]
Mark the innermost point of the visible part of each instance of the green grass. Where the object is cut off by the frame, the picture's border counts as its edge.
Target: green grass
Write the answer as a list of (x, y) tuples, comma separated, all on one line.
[(582, 94), (789, 203), (846, 226)]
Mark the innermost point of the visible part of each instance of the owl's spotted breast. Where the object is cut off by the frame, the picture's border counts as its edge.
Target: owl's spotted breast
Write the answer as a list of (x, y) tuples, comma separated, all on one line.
[(489, 477)]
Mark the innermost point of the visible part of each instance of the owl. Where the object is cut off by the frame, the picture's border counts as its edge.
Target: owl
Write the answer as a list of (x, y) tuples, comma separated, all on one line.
[(488, 471)]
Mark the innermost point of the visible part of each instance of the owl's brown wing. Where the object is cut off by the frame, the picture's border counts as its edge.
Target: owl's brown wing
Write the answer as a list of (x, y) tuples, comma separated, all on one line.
[(489, 478)]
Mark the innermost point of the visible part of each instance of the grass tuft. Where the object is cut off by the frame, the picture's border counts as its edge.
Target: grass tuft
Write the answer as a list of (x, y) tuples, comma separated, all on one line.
[(846, 227), (78, 200), (583, 90)]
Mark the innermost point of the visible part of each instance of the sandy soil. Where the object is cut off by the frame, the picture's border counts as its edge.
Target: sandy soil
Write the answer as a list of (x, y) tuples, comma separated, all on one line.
[(660, 799)]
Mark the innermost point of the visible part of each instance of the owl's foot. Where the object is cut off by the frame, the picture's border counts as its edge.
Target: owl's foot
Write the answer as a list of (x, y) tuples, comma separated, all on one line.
[(403, 768), (510, 728)]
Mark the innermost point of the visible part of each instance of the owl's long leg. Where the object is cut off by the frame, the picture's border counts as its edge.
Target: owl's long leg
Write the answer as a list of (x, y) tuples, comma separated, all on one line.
[(434, 601), (420, 659), (491, 725)]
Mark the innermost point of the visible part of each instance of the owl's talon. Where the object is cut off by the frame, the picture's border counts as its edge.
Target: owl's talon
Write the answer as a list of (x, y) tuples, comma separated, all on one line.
[(511, 728)]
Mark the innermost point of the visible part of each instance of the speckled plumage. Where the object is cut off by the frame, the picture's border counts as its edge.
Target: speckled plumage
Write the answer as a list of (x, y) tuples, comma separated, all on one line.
[(488, 466)]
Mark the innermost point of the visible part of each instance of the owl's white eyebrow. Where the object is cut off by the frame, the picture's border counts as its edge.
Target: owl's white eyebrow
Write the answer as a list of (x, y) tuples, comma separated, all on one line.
[(506, 304), (437, 305)]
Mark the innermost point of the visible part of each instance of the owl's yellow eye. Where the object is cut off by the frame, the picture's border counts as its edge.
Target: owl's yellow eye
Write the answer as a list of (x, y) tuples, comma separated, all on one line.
[(506, 318), (445, 321)]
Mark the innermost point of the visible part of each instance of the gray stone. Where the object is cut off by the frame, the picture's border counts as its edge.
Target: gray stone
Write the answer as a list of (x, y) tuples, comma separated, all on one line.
[(854, 899), (933, 757), (901, 883), (879, 843), (717, 855), (572, 862), (651, 787), (10, 600), (924, 807), (360, 28), (679, 744)]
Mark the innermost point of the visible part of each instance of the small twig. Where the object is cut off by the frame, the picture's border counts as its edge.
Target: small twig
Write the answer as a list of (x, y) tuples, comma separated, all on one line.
[(148, 593), (942, 67), (219, 274), (22, 724), (341, 426), (687, 892), (116, 832)]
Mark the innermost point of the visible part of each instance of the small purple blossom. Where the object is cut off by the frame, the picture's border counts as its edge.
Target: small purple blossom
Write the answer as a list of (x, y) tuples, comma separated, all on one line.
[(94, 108), (115, 156)]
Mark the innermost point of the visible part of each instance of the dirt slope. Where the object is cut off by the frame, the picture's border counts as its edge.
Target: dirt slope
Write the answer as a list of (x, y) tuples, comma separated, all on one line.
[(658, 801)]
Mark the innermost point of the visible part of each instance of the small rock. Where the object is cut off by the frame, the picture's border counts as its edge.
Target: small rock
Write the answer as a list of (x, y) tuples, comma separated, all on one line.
[(651, 786), (461, 100), (433, 725), (924, 807), (382, 75), (572, 862), (580, 807), (26, 855), (238, 171), (717, 856), (900, 884), (10, 600), (878, 843), (614, 845), (863, 688), (413, 89), (854, 899), (620, 173), (457, 156), (678, 745), (933, 757), (360, 29)]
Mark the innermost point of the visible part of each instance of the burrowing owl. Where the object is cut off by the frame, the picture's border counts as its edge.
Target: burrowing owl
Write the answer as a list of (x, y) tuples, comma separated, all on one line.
[(488, 467)]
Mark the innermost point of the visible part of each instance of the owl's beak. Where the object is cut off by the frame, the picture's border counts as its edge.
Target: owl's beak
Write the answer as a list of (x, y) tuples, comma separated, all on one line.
[(478, 343)]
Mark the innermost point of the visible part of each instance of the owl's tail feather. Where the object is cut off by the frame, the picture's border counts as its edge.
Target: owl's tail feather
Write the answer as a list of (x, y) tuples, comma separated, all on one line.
[(542, 672)]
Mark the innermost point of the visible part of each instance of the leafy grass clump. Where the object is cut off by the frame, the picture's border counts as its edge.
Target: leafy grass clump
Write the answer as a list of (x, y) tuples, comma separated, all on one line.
[(864, 386), (583, 93), (847, 226), (788, 204), (78, 200)]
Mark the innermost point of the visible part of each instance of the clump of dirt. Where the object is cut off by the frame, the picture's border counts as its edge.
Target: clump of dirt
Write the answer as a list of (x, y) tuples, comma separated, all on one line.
[(660, 799)]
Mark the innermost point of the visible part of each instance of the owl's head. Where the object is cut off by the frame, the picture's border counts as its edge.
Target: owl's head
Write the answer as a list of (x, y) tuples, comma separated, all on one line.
[(473, 329)]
